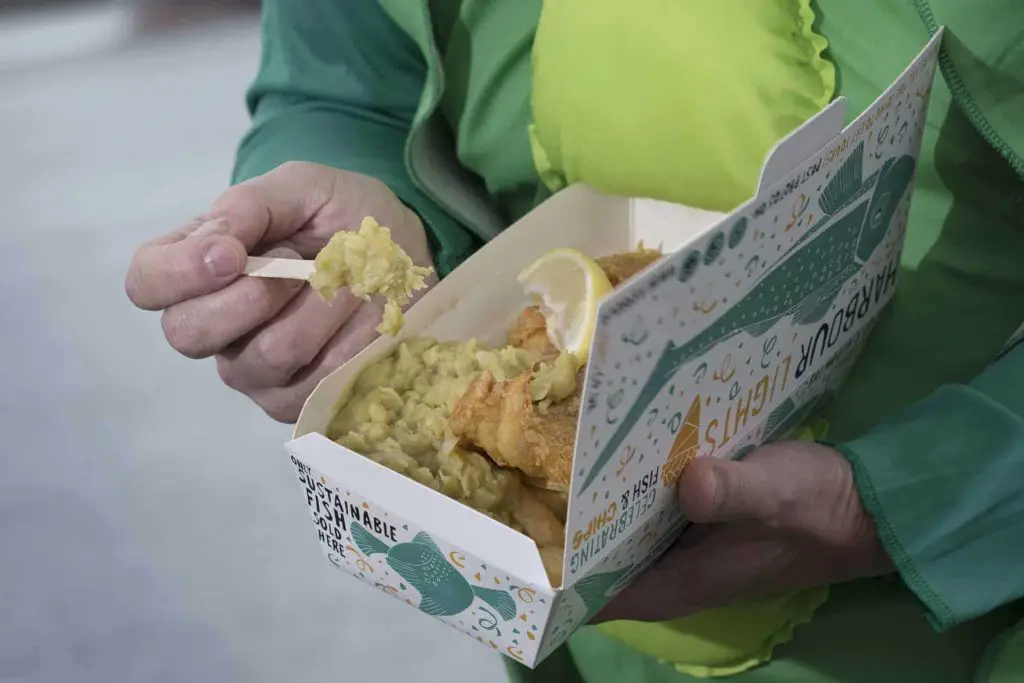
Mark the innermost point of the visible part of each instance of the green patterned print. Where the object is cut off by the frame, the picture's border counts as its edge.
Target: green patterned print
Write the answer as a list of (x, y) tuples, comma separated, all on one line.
[(805, 284), (444, 592)]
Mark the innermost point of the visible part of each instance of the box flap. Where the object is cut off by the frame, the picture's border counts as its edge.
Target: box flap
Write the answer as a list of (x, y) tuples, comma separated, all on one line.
[(802, 143)]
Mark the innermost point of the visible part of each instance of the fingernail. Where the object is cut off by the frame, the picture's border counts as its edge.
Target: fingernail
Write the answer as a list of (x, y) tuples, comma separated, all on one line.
[(217, 226), (222, 260), (717, 488)]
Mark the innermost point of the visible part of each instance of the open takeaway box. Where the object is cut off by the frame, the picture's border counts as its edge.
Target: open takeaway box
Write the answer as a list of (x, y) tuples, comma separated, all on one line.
[(726, 342)]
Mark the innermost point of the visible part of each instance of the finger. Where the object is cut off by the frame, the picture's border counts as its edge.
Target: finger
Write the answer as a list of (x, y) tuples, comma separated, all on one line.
[(285, 403), (206, 325), (272, 207), (715, 491), (792, 486), (288, 343), (183, 265), (714, 567), (211, 253)]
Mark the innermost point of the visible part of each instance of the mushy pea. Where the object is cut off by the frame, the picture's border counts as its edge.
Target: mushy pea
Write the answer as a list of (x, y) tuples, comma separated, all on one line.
[(369, 263), (554, 381)]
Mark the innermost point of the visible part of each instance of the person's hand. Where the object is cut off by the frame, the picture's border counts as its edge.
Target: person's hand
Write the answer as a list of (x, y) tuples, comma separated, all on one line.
[(786, 517), (273, 339)]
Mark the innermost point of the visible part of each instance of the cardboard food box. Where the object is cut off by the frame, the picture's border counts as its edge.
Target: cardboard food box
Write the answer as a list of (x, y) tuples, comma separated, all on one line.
[(727, 342)]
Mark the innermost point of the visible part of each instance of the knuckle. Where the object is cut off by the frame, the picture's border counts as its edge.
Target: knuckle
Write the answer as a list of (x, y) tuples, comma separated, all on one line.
[(183, 334), (255, 301), (276, 355), (229, 375), (282, 409), (234, 199)]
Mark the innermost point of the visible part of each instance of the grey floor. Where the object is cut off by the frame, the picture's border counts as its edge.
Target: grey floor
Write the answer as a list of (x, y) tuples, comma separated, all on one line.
[(150, 528)]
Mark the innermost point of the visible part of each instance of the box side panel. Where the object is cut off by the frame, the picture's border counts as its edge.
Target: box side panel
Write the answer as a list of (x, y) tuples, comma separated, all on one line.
[(403, 559), (718, 337), (438, 515)]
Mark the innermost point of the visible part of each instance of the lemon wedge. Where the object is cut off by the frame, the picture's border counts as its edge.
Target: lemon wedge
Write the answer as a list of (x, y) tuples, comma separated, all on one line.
[(567, 286)]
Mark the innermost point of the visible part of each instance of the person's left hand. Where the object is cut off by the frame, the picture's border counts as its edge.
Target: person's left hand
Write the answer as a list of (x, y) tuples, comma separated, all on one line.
[(786, 517)]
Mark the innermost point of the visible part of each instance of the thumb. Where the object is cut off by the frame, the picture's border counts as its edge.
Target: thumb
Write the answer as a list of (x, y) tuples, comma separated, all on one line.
[(272, 207), (794, 486)]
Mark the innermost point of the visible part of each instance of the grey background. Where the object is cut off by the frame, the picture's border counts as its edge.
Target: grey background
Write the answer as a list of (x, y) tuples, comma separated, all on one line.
[(150, 526)]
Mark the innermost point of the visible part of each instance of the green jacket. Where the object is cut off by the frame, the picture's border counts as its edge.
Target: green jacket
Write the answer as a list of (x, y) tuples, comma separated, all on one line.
[(433, 97)]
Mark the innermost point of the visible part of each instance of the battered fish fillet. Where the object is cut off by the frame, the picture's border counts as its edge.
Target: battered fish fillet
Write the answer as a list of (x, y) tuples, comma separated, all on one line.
[(551, 556), (500, 417), (621, 267), (543, 525), (530, 333)]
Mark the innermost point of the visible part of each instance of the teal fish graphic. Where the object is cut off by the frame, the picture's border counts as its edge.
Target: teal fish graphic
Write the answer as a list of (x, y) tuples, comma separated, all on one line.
[(595, 589), (804, 284), (444, 591)]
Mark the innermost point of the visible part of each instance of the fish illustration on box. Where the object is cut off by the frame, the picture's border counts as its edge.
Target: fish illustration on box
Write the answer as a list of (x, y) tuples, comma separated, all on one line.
[(805, 284), (444, 592), (595, 590)]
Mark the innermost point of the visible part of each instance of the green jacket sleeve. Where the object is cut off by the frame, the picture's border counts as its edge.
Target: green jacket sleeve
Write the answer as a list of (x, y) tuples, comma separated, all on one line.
[(944, 482), (339, 84)]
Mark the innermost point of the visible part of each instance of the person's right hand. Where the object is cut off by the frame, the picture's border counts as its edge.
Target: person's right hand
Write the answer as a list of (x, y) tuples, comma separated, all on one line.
[(273, 339)]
